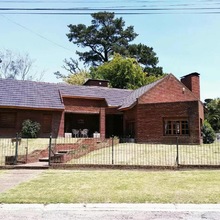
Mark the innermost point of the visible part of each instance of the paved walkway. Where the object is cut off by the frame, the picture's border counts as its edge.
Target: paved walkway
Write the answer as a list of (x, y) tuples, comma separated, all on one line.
[(13, 177)]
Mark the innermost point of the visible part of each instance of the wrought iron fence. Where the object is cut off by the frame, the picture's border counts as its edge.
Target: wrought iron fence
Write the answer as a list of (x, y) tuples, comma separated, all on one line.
[(94, 151)]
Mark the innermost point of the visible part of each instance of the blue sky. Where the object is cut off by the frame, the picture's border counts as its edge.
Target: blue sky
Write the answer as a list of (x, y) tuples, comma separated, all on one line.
[(184, 34)]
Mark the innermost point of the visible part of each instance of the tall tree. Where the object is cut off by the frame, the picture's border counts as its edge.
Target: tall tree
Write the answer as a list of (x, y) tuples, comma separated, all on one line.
[(146, 57), (16, 66), (108, 35)]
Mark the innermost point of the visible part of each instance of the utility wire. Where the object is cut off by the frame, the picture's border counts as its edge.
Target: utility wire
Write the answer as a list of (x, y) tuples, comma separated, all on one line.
[(37, 34), (124, 7), (75, 11)]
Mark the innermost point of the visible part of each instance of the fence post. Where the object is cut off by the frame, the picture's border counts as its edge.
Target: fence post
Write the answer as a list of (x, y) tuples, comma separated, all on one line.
[(16, 150), (177, 151), (112, 150), (49, 148), (26, 152)]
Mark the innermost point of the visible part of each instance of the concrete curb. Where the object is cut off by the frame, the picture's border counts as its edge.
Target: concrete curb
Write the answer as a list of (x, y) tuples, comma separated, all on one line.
[(115, 207)]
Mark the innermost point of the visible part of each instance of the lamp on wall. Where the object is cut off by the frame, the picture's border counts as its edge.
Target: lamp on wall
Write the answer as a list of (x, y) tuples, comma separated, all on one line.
[(184, 90)]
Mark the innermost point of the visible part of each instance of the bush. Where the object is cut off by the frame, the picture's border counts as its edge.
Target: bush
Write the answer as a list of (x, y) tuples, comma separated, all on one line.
[(30, 129), (208, 133)]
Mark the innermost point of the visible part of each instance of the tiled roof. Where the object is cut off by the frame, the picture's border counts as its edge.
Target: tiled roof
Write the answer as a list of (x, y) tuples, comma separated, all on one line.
[(113, 96), (30, 94)]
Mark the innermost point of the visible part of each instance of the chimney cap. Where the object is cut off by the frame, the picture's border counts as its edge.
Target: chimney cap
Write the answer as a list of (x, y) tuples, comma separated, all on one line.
[(191, 74)]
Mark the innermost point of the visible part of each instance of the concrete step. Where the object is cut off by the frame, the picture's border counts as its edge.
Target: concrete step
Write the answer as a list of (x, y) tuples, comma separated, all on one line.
[(45, 159)]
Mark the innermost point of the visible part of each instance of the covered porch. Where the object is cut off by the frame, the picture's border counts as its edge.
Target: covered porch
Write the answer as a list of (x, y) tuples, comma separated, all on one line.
[(98, 124)]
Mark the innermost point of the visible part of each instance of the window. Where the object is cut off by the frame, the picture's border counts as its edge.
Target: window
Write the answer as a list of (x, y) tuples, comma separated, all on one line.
[(7, 119), (47, 123), (176, 127)]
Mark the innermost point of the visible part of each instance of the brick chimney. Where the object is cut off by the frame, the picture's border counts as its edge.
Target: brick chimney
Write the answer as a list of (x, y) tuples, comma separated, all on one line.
[(192, 82)]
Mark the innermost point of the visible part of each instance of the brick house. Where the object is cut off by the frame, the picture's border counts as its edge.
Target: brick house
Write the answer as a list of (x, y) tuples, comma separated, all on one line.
[(155, 113)]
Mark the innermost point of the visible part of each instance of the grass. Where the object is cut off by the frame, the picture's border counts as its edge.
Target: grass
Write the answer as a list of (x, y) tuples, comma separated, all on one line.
[(7, 148), (2, 171), (125, 154), (63, 186), (153, 154)]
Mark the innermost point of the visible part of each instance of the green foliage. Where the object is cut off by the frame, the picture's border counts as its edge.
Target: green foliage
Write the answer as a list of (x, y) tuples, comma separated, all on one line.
[(212, 113), (108, 35), (146, 57), (124, 73), (30, 129), (77, 78), (208, 133), (105, 35)]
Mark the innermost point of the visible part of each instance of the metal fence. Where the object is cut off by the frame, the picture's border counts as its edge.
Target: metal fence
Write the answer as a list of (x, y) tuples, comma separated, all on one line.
[(92, 151)]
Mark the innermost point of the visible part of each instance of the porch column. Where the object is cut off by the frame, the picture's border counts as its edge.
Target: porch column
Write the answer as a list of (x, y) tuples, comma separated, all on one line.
[(60, 125), (102, 122)]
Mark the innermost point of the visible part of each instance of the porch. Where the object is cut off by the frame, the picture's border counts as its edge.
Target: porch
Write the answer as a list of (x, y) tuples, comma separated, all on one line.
[(107, 125)]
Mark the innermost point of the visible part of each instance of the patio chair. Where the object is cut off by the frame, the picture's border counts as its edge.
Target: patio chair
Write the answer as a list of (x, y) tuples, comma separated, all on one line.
[(84, 132), (75, 132)]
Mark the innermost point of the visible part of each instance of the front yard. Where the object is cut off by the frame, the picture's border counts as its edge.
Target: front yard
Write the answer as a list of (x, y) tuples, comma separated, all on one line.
[(109, 186), (120, 154)]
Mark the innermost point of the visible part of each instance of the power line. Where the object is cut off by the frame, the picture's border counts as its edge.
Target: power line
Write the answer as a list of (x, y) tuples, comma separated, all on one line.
[(117, 10), (35, 33)]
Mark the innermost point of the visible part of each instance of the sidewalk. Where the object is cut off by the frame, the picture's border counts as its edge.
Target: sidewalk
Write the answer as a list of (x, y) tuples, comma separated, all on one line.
[(13, 177), (115, 207), (109, 211)]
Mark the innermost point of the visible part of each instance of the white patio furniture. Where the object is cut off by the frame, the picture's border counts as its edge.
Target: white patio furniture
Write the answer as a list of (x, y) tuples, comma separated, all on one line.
[(84, 132), (75, 132)]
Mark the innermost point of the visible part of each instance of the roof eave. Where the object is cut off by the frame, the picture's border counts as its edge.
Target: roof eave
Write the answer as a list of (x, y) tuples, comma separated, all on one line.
[(31, 108), (128, 107)]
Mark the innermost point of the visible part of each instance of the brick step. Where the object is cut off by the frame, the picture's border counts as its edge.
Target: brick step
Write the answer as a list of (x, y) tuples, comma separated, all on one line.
[(63, 151), (55, 158)]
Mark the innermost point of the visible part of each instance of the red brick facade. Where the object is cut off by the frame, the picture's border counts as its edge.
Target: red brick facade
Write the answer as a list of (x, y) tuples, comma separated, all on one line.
[(146, 118), (150, 122), (192, 83), (34, 115), (169, 99)]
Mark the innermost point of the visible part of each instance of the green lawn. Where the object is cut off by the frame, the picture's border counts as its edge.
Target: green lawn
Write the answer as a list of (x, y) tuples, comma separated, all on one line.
[(110, 186), (153, 154), (125, 153)]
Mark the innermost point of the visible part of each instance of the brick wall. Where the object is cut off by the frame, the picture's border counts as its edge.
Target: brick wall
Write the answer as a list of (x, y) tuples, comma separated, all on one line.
[(169, 90), (150, 125), (34, 115), (83, 105), (130, 116)]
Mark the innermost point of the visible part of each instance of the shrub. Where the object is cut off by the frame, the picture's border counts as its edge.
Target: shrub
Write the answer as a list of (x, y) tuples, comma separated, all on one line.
[(30, 129), (208, 133)]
